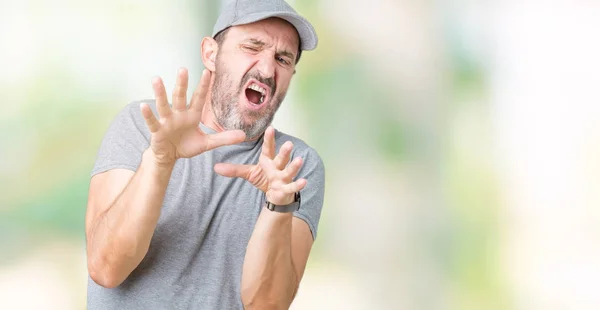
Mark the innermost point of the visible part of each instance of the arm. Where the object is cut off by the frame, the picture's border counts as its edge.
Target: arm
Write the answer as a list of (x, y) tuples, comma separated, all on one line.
[(280, 244), (119, 233), (124, 207), (275, 261)]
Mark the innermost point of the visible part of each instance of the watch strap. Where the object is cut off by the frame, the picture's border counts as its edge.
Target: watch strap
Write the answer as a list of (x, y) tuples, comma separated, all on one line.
[(294, 206)]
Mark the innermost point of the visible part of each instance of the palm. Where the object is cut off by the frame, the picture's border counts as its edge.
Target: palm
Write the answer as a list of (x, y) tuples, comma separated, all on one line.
[(177, 133), (257, 177), (182, 139), (273, 175)]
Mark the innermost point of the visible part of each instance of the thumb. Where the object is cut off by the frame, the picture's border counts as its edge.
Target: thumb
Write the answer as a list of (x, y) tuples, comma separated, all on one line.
[(233, 170)]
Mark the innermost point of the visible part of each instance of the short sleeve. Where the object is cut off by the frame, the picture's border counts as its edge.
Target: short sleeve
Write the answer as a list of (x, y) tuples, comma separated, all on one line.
[(124, 142), (312, 195)]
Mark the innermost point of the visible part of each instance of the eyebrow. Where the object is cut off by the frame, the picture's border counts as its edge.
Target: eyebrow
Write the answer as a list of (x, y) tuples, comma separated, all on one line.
[(260, 43), (256, 42)]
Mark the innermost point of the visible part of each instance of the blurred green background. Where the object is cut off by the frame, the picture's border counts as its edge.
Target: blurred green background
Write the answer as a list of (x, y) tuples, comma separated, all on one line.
[(460, 138)]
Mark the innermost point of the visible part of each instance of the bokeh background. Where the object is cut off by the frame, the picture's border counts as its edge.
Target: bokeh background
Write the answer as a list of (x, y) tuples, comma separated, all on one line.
[(461, 141)]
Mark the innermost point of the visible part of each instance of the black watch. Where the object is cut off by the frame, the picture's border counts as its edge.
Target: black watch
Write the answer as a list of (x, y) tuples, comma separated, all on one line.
[(294, 206)]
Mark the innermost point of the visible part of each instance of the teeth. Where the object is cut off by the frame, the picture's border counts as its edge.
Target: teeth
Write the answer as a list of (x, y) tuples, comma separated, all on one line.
[(262, 98), (258, 89)]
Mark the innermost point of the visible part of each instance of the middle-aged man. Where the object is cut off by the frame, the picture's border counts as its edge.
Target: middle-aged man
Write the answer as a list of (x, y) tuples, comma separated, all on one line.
[(205, 206)]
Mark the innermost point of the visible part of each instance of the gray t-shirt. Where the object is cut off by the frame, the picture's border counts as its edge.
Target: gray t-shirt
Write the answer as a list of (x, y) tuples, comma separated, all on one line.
[(197, 251)]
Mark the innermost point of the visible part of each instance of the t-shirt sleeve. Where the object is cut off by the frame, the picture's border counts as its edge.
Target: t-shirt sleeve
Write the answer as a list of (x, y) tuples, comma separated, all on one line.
[(312, 195), (124, 142)]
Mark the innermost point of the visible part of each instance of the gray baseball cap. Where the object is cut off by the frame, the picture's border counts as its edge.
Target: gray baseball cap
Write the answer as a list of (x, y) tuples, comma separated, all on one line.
[(240, 12)]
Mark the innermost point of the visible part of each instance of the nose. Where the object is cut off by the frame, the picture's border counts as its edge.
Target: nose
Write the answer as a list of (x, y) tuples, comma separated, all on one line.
[(266, 65)]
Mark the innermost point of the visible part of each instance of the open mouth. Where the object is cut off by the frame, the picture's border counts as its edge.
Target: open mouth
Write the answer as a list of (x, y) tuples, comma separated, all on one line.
[(256, 94)]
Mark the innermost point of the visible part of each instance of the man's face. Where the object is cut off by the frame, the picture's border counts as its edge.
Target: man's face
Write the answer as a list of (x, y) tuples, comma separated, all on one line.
[(254, 66)]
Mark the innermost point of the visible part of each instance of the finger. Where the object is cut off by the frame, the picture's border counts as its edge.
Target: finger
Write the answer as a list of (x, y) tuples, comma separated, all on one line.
[(233, 170), (294, 187), (149, 117), (224, 138), (293, 168), (284, 155), (268, 147), (199, 96), (268, 167), (162, 103), (179, 93)]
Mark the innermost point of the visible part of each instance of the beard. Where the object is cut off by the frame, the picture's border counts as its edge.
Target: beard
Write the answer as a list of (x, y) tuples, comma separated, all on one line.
[(228, 111)]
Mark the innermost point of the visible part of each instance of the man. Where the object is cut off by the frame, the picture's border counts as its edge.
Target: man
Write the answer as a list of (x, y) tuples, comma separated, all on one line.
[(205, 206)]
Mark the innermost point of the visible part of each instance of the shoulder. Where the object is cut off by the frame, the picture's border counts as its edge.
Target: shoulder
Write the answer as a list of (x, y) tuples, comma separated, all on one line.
[(131, 114), (129, 121), (301, 148), (299, 144), (133, 108)]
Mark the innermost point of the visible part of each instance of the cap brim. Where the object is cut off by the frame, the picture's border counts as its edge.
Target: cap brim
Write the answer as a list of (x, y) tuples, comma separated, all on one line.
[(308, 36)]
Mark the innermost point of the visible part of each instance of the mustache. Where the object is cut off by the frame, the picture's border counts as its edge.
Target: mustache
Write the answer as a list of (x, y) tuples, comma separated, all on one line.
[(255, 75)]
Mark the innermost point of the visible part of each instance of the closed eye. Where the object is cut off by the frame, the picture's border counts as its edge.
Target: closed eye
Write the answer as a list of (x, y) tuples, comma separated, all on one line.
[(249, 48)]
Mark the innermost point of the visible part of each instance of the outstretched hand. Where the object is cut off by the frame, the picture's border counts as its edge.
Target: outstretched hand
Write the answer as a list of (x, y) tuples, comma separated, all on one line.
[(177, 133), (272, 175)]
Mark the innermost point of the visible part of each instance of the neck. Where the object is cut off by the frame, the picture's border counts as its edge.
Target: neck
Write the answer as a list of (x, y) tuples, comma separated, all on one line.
[(208, 117)]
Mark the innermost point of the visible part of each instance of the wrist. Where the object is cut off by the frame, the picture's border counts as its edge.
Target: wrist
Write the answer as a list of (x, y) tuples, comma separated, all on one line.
[(160, 163), (281, 200), (278, 218), (284, 204)]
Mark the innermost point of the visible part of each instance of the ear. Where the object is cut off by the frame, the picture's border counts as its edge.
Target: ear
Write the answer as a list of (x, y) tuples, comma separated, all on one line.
[(209, 50)]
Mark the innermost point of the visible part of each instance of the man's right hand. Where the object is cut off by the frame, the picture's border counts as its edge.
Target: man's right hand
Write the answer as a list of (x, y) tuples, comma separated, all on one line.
[(177, 133)]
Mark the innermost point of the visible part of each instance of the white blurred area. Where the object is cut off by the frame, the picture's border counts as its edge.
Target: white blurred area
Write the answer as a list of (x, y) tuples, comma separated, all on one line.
[(119, 44), (543, 68), (546, 110)]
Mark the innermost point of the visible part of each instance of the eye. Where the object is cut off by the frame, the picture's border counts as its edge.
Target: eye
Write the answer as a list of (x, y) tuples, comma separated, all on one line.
[(282, 60), (250, 48)]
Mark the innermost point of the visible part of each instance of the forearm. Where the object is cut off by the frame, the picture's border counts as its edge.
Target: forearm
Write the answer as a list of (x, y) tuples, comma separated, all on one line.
[(269, 280), (120, 237)]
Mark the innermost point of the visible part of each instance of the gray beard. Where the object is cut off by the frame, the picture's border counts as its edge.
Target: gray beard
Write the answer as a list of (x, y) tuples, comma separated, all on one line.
[(225, 105)]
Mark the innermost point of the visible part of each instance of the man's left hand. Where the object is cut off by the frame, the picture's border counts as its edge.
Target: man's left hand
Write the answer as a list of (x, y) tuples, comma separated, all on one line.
[(272, 175)]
